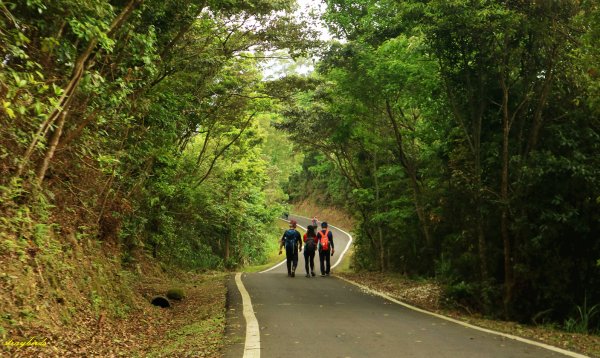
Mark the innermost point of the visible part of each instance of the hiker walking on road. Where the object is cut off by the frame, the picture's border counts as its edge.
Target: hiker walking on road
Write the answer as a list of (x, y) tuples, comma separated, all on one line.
[(315, 222), (292, 241), (310, 246), (326, 250)]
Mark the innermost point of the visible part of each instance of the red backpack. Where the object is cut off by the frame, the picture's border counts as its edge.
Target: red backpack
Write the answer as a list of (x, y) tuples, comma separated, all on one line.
[(324, 240)]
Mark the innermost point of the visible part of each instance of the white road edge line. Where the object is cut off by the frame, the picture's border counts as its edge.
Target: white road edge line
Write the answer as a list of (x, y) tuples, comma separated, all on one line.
[(252, 345), (340, 257), (464, 324)]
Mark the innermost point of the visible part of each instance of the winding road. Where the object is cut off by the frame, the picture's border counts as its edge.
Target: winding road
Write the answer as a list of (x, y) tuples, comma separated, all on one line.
[(272, 315)]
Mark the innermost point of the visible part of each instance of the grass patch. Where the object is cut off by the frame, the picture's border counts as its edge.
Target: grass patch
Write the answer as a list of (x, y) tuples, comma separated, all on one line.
[(346, 264), (192, 337), (195, 326)]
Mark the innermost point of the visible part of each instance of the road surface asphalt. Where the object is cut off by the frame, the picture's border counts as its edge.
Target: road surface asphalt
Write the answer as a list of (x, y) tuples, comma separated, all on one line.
[(328, 317)]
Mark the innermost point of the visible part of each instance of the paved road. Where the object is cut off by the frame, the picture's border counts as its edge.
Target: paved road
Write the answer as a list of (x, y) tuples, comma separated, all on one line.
[(328, 317)]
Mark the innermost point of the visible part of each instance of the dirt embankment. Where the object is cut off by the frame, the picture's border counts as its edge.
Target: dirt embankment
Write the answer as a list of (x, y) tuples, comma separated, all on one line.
[(333, 215), (85, 304)]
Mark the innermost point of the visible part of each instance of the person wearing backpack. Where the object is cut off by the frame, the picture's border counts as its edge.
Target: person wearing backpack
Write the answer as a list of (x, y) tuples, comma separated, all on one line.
[(326, 250), (310, 246), (292, 241)]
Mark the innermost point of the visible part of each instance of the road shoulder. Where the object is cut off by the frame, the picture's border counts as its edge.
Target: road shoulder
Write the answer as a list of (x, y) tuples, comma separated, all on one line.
[(427, 296)]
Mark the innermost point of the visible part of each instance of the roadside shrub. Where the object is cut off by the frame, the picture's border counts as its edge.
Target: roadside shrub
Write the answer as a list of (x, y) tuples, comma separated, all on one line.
[(461, 294), (585, 320), (176, 294)]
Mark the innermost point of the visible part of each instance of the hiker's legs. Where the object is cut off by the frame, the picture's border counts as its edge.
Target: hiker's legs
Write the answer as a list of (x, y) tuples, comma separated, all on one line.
[(289, 257), (306, 259), (309, 260), (321, 259), (327, 255), (294, 261)]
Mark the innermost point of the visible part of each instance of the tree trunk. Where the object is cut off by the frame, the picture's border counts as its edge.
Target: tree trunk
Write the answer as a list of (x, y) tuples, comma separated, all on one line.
[(477, 110), (504, 199), (482, 251), (72, 86), (473, 138), (411, 171), (420, 208), (227, 253), (75, 133), (377, 203), (41, 172), (184, 30), (537, 115)]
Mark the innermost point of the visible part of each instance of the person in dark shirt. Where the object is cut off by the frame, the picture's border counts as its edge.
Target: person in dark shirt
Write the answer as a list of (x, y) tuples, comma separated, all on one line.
[(326, 249), (292, 241), (310, 246)]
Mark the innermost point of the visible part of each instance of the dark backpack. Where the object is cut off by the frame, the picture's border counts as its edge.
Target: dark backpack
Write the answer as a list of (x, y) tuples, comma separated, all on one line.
[(289, 239), (310, 244)]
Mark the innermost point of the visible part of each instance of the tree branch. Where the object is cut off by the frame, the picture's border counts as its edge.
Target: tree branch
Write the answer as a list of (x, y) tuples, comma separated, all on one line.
[(220, 153)]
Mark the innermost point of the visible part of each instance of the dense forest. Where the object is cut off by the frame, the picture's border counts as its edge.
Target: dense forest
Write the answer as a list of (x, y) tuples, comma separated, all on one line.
[(462, 135), (134, 132)]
